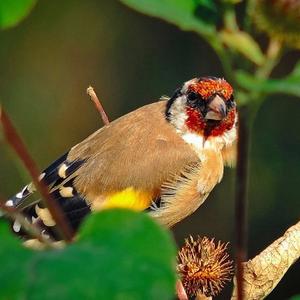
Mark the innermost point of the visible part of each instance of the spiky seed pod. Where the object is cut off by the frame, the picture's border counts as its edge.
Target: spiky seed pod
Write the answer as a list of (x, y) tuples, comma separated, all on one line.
[(280, 19), (204, 266)]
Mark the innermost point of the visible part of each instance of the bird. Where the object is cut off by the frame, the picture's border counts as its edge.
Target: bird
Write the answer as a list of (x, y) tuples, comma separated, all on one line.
[(163, 158)]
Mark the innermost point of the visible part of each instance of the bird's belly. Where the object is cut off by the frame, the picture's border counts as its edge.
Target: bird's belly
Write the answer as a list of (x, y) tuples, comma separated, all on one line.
[(128, 198)]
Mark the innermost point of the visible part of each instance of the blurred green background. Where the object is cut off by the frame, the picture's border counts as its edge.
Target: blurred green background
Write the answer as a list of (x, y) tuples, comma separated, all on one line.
[(48, 61)]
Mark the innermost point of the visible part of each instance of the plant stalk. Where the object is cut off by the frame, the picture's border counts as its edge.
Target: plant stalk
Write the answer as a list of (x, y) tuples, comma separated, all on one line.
[(241, 197), (18, 145)]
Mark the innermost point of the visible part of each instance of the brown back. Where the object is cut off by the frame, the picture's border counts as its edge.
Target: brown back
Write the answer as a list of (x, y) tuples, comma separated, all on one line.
[(140, 150)]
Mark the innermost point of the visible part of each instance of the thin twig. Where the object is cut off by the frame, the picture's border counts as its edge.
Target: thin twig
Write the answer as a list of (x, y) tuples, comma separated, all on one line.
[(17, 144), (90, 91), (241, 202), (32, 230)]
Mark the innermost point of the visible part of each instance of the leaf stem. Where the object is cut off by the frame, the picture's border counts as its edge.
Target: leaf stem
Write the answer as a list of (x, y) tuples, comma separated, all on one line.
[(273, 55), (224, 57), (250, 5), (230, 22)]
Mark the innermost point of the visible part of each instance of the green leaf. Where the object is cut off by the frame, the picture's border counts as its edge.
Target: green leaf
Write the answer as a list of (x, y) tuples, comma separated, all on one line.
[(194, 15), (14, 260), (296, 297), (243, 43), (289, 85), (14, 11), (119, 254), (207, 11)]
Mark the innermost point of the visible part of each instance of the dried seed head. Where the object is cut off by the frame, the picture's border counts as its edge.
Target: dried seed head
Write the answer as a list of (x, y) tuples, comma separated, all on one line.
[(280, 19), (204, 266)]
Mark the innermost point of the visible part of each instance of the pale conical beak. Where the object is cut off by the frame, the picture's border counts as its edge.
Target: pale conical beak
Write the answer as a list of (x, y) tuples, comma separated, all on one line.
[(216, 109)]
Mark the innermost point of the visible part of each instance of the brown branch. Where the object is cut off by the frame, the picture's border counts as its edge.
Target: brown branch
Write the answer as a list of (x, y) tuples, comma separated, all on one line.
[(264, 271), (32, 230), (90, 91), (241, 199), (17, 144)]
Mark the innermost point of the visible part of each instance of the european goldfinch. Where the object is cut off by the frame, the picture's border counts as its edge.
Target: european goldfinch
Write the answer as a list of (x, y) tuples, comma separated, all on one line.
[(164, 157)]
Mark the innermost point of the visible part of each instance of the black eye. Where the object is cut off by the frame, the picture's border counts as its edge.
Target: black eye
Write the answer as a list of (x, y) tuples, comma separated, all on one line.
[(230, 103), (192, 96)]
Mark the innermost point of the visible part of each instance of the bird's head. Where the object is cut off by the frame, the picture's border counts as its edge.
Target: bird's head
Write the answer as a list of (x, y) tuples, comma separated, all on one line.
[(204, 106)]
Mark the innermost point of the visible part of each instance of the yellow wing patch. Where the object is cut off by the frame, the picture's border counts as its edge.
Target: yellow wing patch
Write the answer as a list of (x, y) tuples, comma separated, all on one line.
[(128, 198)]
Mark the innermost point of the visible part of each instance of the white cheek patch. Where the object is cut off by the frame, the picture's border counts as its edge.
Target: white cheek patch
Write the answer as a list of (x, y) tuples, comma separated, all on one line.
[(193, 139)]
